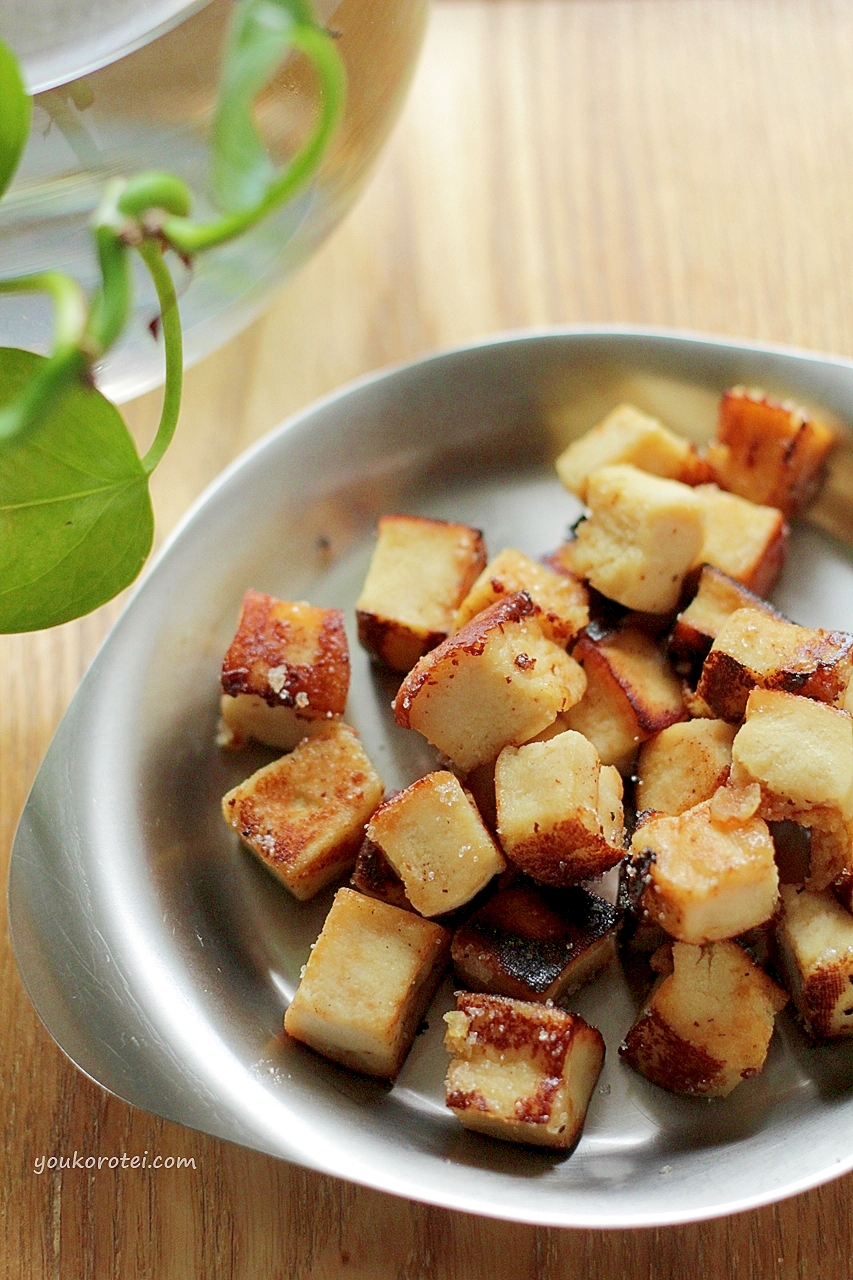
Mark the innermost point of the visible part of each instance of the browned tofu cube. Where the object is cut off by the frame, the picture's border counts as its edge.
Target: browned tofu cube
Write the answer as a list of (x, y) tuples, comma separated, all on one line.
[(497, 681), (286, 668), (747, 541), (374, 876), (642, 537), (436, 841), (561, 598), (522, 1072), (559, 812), (754, 649), (707, 1025), (683, 765), (628, 435), (420, 572), (304, 815), (800, 752), (769, 452), (717, 597), (631, 693), (533, 943), (367, 983), (815, 952), (709, 873)]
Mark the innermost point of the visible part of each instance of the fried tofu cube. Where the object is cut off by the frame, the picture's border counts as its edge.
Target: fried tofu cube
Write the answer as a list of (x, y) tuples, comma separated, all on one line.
[(559, 812), (769, 452), (303, 816), (683, 765), (814, 936), (522, 1072), (709, 873), (561, 598), (717, 597), (286, 669), (534, 943), (754, 649), (420, 572), (497, 681), (707, 1025), (631, 693), (436, 841), (628, 435), (747, 541), (800, 752), (367, 983)]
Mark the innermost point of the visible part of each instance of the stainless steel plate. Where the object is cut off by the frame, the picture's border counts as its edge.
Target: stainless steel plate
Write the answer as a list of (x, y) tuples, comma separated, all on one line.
[(161, 957)]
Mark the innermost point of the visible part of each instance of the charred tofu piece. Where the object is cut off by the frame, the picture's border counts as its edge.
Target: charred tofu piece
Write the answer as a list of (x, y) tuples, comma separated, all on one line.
[(628, 435), (559, 812), (747, 541), (710, 873), (533, 943), (717, 597), (367, 983), (373, 875), (561, 598), (436, 841), (707, 1024), (631, 693), (286, 669), (420, 572), (814, 936), (683, 765), (497, 681), (642, 537), (304, 815), (800, 752), (769, 452), (522, 1072), (755, 650)]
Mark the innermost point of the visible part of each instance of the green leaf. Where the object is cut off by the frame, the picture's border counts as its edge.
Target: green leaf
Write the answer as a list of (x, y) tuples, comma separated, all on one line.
[(76, 523), (15, 112)]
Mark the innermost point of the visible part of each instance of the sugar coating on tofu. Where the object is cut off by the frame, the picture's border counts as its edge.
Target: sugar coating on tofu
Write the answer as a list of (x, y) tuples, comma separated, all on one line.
[(420, 572), (556, 820), (683, 765), (435, 839), (304, 815), (642, 536), (718, 596), (768, 451), (367, 983), (707, 1025), (530, 942), (561, 597), (520, 1071), (497, 681), (744, 539), (286, 668), (815, 943), (629, 435), (710, 873)]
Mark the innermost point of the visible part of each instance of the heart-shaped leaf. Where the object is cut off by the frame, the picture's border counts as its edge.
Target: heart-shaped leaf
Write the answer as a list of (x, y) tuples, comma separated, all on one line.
[(76, 523), (15, 112)]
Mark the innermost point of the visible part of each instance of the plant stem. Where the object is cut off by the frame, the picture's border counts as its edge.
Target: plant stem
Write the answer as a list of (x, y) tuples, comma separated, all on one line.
[(65, 363), (151, 253)]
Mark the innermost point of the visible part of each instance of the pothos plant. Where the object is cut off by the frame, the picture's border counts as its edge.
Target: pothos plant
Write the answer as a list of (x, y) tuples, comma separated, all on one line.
[(76, 523)]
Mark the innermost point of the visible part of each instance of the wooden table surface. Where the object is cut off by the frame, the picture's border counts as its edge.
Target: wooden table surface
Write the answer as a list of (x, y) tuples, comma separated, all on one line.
[(670, 162)]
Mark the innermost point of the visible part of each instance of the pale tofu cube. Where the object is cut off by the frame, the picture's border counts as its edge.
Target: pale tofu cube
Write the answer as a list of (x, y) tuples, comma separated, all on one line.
[(815, 941), (286, 669), (709, 873), (717, 597), (707, 1025), (497, 681), (747, 541), (521, 1072), (551, 821), (367, 983), (561, 598), (683, 765), (535, 943), (628, 435), (436, 841), (420, 572), (303, 816)]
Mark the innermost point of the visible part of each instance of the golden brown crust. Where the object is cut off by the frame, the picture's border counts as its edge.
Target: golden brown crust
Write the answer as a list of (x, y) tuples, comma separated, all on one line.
[(395, 644), (496, 1021), (374, 876), (663, 1057), (629, 659), (565, 854)]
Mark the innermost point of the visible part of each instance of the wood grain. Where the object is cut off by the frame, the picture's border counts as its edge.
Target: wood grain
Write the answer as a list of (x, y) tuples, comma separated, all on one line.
[(671, 162)]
